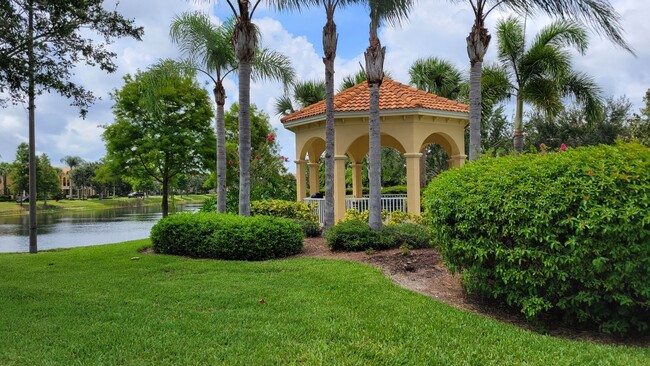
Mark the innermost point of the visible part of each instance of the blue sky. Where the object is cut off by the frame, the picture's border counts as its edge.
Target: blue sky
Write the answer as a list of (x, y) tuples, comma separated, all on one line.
[(435, 28)]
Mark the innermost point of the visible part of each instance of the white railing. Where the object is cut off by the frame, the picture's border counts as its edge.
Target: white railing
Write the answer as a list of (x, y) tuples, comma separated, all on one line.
[(389, 202)]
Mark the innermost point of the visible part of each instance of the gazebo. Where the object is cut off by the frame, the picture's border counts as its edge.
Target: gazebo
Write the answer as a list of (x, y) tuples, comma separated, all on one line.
[(410, 119)]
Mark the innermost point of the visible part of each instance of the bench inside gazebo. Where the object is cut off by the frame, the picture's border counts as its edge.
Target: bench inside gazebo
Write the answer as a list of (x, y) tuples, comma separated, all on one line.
[(410, 119)]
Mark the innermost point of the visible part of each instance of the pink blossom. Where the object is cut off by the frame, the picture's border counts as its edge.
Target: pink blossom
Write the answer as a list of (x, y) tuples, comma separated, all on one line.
[(563, 147), (270, 138)]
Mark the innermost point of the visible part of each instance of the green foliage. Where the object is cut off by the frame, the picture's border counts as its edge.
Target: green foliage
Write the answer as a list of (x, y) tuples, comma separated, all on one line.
[(65, 34), (563, 233), (19, 172), (352, 235), (209, 205), (310, 228), (269, 176), (224, 236), (162, 126), (394, 190), (287, 209), (356, 235)]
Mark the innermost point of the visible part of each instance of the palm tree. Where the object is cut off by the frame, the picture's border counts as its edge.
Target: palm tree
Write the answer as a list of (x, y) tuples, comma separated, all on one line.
[(330, 42), (542, 73), (71, 162), (391, 11), (597, 13), (208, 49), (305, 93), (437, 76)]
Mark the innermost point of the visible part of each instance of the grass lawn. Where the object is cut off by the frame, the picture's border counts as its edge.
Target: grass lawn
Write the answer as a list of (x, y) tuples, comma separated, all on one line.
[(12, 208), (96, 305)]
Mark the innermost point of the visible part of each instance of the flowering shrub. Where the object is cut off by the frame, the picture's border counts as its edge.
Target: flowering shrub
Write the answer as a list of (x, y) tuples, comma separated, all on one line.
[(565, 233), (223, 236)]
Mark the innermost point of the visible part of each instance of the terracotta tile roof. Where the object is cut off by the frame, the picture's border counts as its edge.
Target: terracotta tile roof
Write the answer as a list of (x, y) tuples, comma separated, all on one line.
[(392, 95)]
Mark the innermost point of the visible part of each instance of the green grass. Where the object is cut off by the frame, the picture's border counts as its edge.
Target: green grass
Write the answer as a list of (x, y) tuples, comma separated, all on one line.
[(96, 305), (13, 208)]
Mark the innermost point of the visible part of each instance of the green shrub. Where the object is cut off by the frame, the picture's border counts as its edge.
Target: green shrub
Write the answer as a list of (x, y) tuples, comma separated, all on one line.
[(356, 235), (224, 236), (565, 233), (310, 228), (287, 209), (412, 235), (394, 190), (352, 235), (209, 205)]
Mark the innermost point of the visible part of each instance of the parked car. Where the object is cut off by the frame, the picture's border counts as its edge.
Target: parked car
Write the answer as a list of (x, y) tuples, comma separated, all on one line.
[(135, 194)]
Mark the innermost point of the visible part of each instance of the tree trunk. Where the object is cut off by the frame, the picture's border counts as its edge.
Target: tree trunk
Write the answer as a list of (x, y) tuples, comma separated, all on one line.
[(375, 73), (220, 98), (477, 44), (33, 247), (165, 197), (518, 138), (245, 42), (330, 40)]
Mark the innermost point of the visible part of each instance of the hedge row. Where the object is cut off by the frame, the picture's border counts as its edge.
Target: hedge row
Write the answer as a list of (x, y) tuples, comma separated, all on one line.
[(224, 236), (356, 235), (563, 233)]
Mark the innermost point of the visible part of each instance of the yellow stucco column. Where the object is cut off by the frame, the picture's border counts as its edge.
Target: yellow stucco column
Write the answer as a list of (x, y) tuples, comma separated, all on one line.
[(314, 178), (339, 187), (413, 182), (357, 185), (456, 161), (301, 180)]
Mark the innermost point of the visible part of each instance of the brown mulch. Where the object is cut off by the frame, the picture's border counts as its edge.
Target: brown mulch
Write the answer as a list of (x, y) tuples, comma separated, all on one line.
[(421, 270)]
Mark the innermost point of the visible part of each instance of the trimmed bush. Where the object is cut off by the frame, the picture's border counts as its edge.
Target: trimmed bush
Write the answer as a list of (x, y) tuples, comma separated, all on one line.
[(352, 235), (287, 209), (224, 236), (310, 228), (565, 233), (411, 235), (356, 235)]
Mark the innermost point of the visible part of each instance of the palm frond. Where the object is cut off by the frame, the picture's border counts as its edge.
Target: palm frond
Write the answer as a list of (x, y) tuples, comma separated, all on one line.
[(283, 105), (272, 65), (436, 76), (560, 34)]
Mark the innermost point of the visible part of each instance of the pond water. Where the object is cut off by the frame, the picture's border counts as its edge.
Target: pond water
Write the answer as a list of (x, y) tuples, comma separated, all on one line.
[(67, 228)]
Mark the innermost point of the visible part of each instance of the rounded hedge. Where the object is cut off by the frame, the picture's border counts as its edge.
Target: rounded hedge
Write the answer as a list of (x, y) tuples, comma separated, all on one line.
[(565, 233), (225, 236)]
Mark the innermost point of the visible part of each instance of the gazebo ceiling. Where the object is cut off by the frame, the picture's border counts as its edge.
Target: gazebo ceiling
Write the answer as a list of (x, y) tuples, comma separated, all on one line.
[(392, 96)]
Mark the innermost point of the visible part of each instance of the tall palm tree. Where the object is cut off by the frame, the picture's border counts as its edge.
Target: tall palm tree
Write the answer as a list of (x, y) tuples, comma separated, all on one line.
[(305, 93), (437, 76), (597, 13), (391, 11), (542, 73), (208, 49), (330, 43), (72, 162), (4, 172)]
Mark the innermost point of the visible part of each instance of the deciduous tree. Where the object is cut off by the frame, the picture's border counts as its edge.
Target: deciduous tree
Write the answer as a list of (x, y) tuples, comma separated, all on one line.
[(162, 126)]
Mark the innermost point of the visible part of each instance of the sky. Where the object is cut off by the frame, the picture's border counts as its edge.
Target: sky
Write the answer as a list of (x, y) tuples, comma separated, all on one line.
[(434, 28)]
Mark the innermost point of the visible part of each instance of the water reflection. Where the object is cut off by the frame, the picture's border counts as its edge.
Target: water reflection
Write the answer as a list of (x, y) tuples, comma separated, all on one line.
[(64, 229)]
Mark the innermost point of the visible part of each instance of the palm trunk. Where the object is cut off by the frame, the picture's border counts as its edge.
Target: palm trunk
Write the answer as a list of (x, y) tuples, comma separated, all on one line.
[(220, 98), (518, 138), (244, 41), (423, 168), (477, 44), (33, 247), (165, 197), (330, 40), (375, 73)]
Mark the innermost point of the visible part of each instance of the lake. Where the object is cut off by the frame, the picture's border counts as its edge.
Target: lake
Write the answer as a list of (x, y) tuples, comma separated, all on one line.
[(69, 228)]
